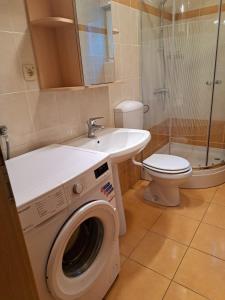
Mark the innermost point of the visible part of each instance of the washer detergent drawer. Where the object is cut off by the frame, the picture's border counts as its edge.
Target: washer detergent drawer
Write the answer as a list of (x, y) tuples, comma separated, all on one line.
[(42, 208)]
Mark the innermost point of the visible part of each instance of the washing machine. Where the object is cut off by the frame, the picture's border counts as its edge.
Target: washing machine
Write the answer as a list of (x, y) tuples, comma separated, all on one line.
[(66, 204)]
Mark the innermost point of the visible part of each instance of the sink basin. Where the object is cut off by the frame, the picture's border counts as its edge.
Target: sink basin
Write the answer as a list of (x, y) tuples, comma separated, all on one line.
[(121, 144)]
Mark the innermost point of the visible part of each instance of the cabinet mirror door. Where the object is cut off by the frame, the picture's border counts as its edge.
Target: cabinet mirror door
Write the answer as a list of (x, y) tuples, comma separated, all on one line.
[(96, 40)]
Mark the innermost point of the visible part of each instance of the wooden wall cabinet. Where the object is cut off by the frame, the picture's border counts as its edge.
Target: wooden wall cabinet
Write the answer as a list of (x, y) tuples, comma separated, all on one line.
[(72, 42), (56, 45)]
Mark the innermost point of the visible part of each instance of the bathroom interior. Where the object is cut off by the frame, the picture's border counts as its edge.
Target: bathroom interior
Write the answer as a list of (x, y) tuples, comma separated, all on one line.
[(112, 149)]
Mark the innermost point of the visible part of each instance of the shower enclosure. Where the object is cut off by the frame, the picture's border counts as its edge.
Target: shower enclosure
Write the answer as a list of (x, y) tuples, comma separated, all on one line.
[(183, 82)]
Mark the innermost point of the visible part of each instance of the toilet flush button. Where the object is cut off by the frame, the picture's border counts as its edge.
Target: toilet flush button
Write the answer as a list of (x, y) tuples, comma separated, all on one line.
[(78, 188)]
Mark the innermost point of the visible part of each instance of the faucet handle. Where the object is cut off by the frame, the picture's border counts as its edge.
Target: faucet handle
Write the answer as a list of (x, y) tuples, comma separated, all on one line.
[(95, 118), (92, 120)]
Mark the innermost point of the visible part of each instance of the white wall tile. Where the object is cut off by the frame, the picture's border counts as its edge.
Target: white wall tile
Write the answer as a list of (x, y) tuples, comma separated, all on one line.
[(18, 15), (5, 15), (14, 113), (11, 79), (127, 55), (44, 109)]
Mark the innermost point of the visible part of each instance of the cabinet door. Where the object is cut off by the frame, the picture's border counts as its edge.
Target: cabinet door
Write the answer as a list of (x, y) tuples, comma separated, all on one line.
[(16, 278), (96, 40)]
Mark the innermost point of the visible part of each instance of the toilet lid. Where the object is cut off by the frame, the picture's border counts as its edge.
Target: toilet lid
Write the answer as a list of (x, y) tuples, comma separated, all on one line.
[(167, 163)]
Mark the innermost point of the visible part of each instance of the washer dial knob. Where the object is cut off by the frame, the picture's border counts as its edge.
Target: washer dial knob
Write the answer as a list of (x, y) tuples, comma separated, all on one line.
[(78, 188)]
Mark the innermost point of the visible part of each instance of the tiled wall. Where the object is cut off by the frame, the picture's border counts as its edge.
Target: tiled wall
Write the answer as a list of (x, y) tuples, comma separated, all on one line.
[(126, 20), (152, 70), (37, 118)]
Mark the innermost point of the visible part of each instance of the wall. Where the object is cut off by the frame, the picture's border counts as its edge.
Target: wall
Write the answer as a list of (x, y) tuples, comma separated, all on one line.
[(126, 19), (152, 70), (37, 118)]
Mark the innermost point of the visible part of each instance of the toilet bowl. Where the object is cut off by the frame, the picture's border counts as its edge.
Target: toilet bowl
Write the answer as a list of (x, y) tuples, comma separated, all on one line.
[(168, 173)]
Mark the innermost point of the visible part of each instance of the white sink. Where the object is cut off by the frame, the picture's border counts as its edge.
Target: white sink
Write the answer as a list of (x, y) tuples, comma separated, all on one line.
[(121, 144)]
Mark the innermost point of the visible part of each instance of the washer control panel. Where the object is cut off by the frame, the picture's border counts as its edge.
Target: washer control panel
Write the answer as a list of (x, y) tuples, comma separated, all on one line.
[(108, 191), (42, 209), (81, 185), (101, 170)]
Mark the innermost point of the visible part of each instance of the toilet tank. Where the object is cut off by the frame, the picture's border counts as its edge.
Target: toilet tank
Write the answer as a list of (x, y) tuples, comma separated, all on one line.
[(129, 114)]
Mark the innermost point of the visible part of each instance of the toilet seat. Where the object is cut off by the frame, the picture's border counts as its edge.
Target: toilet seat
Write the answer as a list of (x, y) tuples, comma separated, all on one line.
[(167, 164)]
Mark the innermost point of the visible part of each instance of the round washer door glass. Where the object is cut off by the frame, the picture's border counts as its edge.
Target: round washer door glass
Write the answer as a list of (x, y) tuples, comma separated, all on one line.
[(81, 250), (83, 247)]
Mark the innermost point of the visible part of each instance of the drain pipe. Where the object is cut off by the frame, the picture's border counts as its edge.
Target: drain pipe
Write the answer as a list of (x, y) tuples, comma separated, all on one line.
[(134, 161), (147, 176), (4, 135)]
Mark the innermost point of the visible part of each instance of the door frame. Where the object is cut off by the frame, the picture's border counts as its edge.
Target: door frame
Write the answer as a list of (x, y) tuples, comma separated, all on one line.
[(16, 276)]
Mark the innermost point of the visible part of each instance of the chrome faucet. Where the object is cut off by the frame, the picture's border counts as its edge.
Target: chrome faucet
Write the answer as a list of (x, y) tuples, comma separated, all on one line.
[(92, 126)]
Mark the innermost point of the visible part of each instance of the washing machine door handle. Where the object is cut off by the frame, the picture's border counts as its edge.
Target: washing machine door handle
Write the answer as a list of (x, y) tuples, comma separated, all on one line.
[(71, 268)]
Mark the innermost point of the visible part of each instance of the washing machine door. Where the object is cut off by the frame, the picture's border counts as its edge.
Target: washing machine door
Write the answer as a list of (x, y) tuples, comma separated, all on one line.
[(81, 250)]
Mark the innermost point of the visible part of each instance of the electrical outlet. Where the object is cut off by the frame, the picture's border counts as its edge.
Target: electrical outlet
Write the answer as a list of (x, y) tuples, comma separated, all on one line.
[(29, 72)]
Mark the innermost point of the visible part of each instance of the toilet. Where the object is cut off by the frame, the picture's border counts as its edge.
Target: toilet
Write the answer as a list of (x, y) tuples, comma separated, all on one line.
[(168, 172)]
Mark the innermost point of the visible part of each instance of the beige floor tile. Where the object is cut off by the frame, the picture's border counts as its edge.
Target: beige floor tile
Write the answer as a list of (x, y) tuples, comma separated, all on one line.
[(136, 196), (159, 254), (141, 213), (139, 217), (194, 208), (215, 215), (202, 273), (210, 239), (201, 194), (178, 292), (137, 282), (219, 196), (177, 227), (131, 239)]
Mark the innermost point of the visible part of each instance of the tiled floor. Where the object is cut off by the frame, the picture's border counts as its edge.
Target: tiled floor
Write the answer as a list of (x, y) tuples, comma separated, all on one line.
[(173, 253)]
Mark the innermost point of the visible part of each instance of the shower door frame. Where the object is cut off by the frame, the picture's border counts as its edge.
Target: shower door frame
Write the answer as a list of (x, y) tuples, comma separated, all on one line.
[(213, 90)]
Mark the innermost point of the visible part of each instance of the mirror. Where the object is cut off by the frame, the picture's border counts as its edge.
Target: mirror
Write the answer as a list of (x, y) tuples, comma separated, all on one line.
[(96, 40)]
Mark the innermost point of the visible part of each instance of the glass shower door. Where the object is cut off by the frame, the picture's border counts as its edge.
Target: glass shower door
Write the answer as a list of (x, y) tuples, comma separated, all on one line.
[(216, 141), (179, 51), (192, 71)]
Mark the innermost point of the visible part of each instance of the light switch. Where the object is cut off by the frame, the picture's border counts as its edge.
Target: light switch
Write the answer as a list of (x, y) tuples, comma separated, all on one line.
[(29, 72)]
